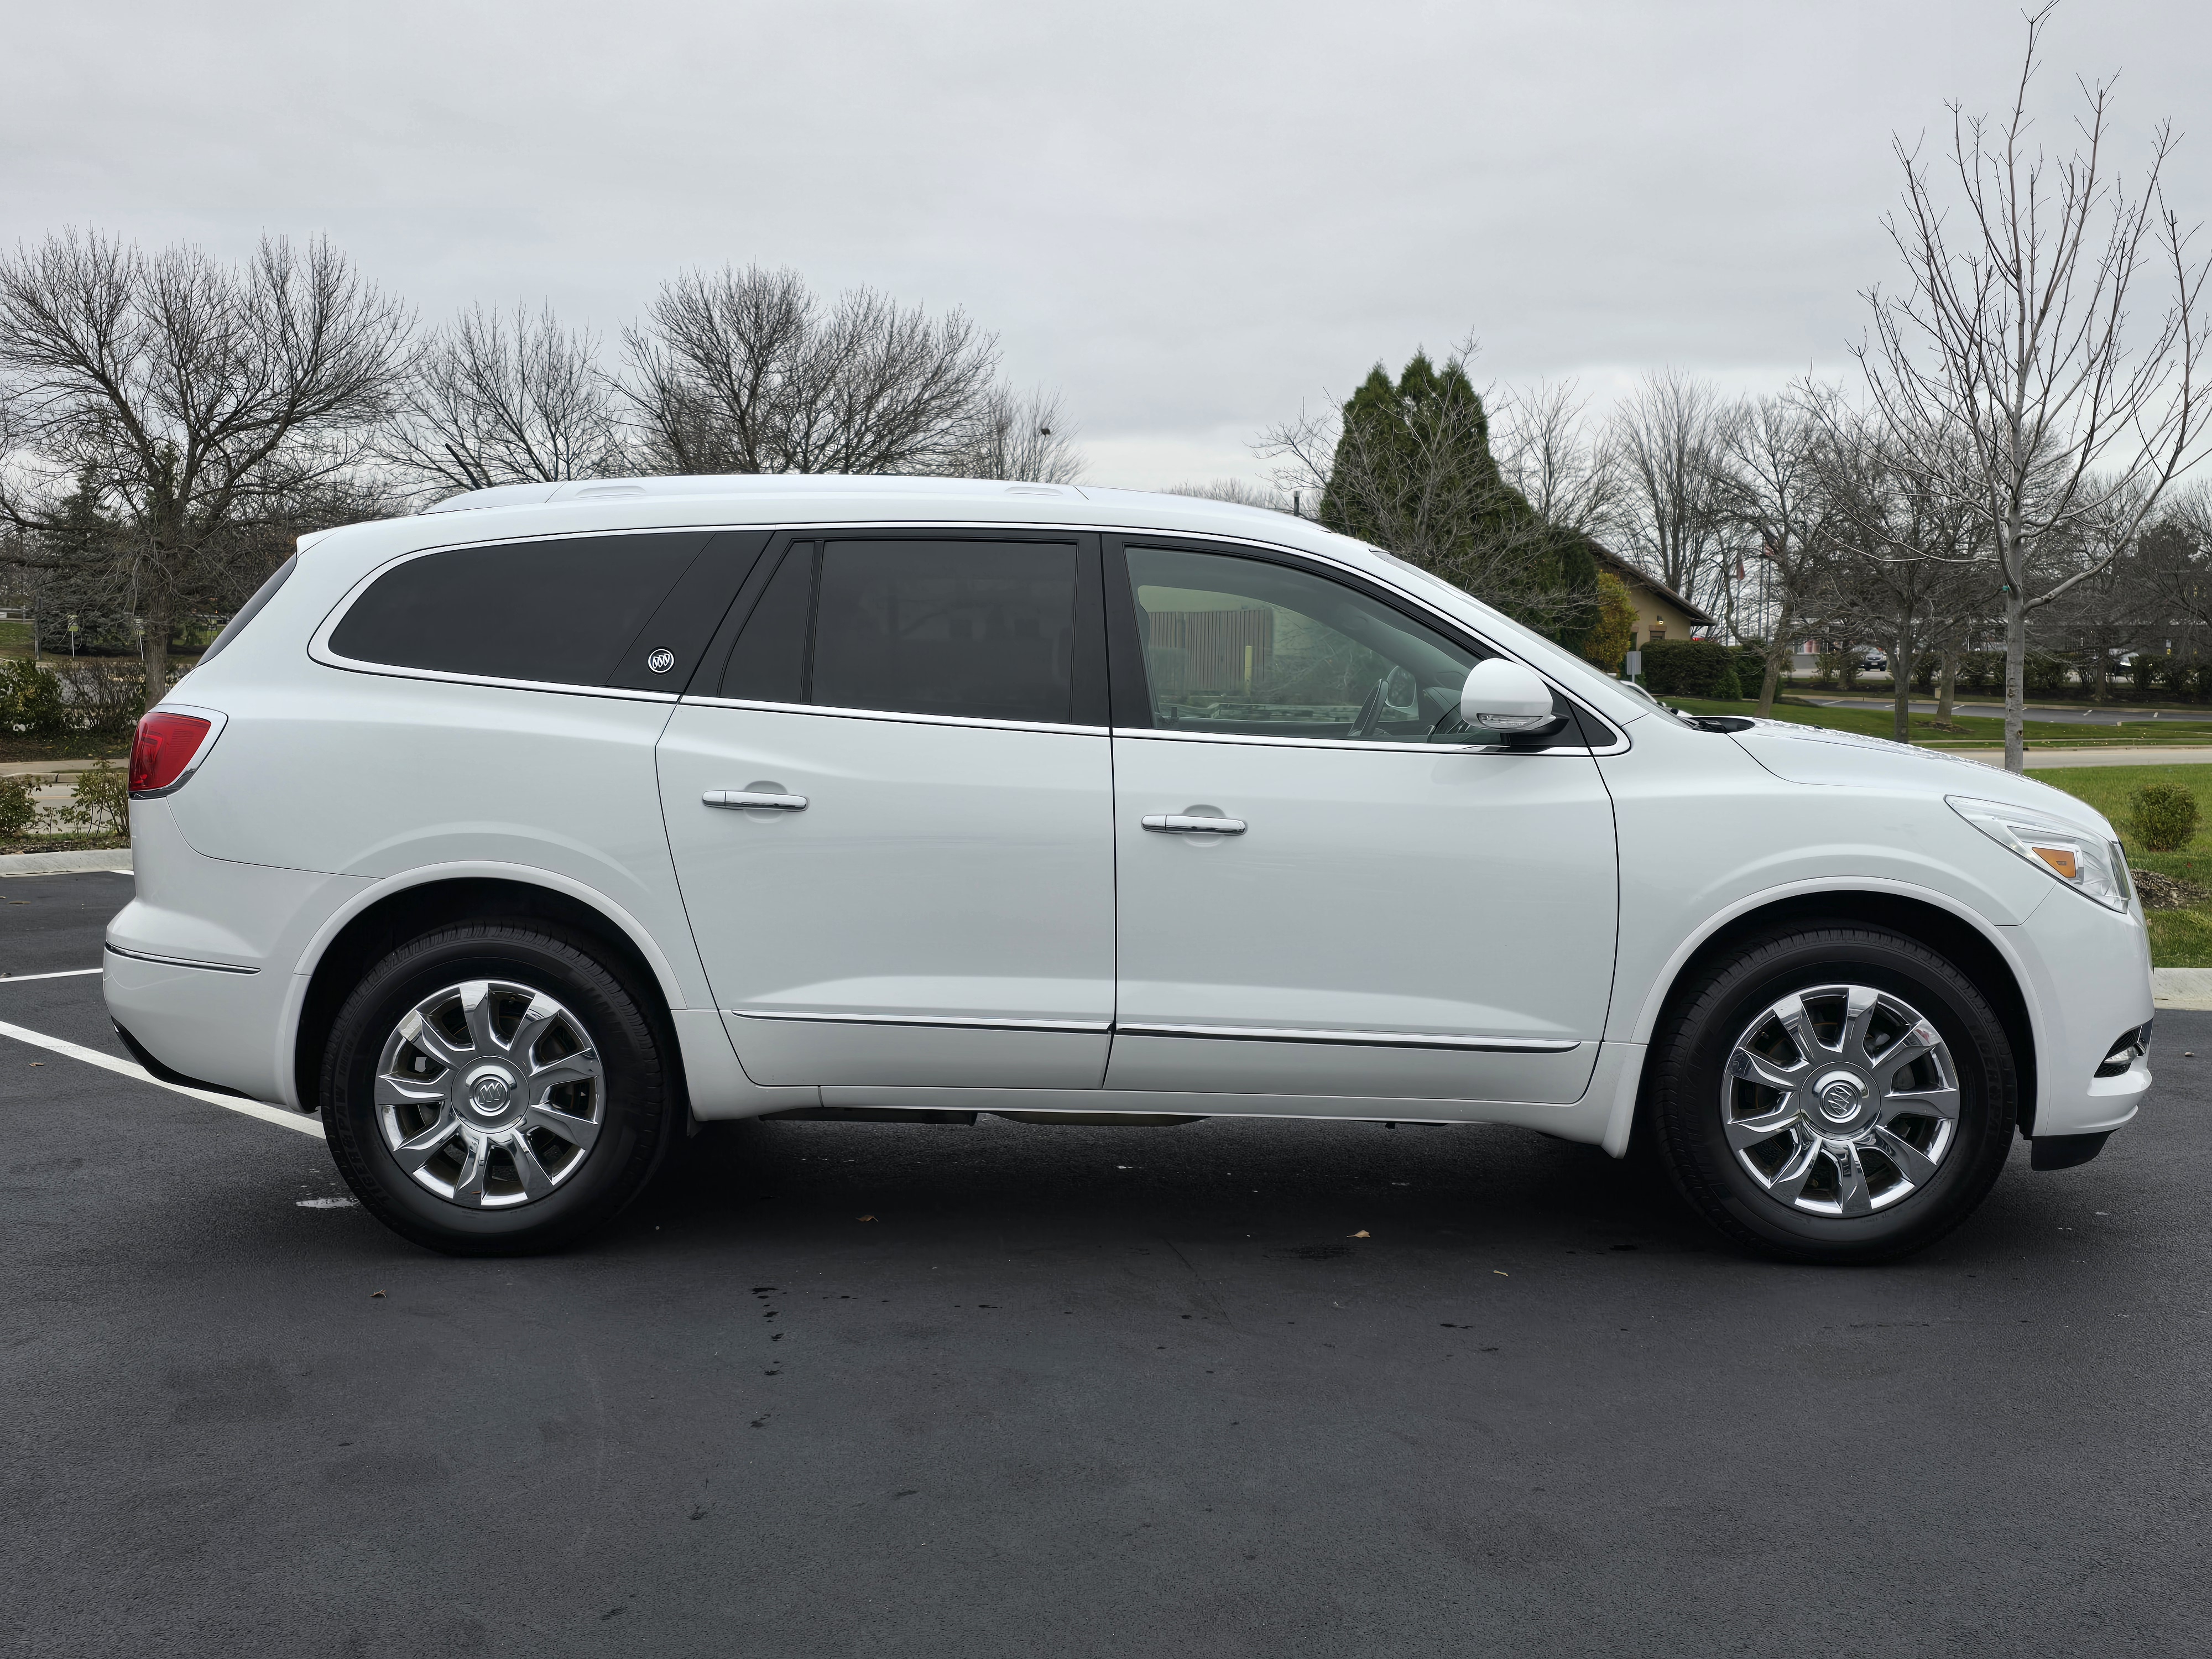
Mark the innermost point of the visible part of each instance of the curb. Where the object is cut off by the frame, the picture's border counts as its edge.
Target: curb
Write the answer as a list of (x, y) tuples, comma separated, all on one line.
[(117, 859), (2181, 987)]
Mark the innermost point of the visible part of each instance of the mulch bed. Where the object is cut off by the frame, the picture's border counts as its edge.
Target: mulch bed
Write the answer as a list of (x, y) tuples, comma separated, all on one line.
[(14, 746), (2168, 892), (65, 844)]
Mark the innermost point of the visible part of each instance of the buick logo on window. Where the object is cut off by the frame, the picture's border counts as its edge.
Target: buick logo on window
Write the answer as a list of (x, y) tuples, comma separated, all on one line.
[(661, 661)]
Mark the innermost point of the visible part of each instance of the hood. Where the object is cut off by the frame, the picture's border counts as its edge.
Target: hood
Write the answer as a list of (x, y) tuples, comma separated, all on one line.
[(1816, 755)]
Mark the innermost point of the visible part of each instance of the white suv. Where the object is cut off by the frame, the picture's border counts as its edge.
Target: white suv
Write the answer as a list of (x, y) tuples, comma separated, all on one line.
[(514, 837)]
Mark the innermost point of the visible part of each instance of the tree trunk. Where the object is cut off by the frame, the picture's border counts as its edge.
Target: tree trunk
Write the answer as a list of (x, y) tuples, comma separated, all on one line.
[(157, 647), (1778, 653), (1900, 687), (1946, 685), (2015, 678), (1769, 681)]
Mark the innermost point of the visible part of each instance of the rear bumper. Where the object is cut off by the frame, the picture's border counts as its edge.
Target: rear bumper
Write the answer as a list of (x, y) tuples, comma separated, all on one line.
[(200, 966), (214, 1024)]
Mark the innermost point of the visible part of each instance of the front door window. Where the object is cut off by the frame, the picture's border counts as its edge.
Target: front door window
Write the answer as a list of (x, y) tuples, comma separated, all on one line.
[(1238, 647)]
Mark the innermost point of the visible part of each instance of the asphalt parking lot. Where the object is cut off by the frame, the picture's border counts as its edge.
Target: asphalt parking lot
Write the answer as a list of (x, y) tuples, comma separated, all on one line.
[(883, 1389)]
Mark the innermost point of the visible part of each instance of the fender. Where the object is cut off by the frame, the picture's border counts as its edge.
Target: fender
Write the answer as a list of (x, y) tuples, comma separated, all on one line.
[(1655, 997), (664, 972)]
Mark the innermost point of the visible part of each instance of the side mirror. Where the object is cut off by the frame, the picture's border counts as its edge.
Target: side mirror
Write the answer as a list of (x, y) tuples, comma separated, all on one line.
[(1508, 697)]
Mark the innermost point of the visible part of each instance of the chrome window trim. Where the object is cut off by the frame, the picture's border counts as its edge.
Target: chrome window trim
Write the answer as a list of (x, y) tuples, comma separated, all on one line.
[(216, 721), (1352, 1039), (894, 715), (180, 962), (955, 1022), (1134, 732)]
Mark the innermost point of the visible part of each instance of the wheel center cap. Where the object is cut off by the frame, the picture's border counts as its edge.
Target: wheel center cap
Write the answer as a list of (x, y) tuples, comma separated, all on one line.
[(488, 1091), (1841, 1097)]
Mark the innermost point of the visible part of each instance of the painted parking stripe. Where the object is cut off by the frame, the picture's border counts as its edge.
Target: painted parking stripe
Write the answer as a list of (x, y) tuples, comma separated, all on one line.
[(66, 973), (277, 1115)]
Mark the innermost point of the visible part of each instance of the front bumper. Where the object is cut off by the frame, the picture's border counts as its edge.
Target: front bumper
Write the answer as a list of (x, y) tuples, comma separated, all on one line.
[(2086, 971)]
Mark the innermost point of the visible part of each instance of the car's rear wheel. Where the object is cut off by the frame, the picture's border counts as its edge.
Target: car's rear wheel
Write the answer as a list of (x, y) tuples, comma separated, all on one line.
[(495, 1088), (1834, 1093)]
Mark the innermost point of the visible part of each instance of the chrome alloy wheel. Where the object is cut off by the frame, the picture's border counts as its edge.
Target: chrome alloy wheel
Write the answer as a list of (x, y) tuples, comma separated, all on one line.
[(1840, 1100), (489, 1093)]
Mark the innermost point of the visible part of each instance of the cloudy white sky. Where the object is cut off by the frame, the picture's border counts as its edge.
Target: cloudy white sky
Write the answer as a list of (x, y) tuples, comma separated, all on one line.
[(1188, 217)]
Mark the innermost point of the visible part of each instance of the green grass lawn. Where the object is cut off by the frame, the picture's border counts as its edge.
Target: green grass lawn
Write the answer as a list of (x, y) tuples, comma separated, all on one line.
[(14, 639), (1971, 730), (2179, 939)]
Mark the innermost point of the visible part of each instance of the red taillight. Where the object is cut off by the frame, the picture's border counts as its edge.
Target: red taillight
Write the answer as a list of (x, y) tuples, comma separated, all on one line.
[(164, 747)]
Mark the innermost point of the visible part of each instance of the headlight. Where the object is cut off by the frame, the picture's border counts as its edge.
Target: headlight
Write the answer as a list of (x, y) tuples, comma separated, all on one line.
[(2085, 861)]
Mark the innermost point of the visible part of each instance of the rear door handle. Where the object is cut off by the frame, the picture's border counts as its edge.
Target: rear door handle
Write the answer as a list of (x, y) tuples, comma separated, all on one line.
[(754, 800), (1182, 824)]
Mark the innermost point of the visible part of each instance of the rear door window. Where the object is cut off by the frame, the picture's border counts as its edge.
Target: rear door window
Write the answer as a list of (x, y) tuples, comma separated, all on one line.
[(963, 629), (981, 629), (561, 612)]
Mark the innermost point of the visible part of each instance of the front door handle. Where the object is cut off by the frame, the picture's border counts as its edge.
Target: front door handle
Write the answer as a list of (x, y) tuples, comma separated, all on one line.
[(1182, 823), (754, 800)]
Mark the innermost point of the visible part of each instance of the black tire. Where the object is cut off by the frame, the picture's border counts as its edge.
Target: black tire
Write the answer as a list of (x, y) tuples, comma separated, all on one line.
[(641, 1112), (1688, 1064)]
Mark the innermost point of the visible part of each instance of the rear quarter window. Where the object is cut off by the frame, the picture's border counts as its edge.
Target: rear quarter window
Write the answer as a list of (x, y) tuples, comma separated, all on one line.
[(559, 612)]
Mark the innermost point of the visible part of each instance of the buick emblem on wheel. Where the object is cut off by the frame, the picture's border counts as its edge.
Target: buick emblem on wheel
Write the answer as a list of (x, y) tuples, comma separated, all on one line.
[(661, 661)]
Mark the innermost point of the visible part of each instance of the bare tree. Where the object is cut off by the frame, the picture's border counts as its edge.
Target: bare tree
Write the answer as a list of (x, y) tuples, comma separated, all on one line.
[(2173, 560), (1020, 436), (491, 399), (1900, 559), (2019, 331), (747, 371), (1569, 474), (1237, 492), (1766, 465), (1668, 437), (195, 400)]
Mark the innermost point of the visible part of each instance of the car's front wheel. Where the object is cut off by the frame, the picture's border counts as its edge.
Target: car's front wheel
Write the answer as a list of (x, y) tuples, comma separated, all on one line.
[(1833, 1093), (495, 1088)]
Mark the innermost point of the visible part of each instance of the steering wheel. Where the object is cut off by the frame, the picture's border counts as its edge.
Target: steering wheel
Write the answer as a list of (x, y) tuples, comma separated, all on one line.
[(1371, 713)]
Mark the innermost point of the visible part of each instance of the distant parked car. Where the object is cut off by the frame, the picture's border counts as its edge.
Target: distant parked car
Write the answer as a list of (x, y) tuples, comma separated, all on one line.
[(514, 837)]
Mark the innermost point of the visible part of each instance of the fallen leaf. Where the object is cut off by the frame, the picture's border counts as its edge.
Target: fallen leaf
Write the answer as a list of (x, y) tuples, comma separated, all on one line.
[(37, 1062), (1501, 1273), (1362, 1233), (864, 1218), (372, 1295)]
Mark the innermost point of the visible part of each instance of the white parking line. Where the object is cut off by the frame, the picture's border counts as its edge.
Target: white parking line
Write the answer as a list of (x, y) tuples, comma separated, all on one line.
[(276, 1115), (66, 973)]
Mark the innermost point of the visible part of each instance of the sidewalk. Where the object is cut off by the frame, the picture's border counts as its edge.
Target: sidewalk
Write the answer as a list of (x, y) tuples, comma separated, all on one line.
[(2043, 759), (13, 768), (117, 859), (2181, 987)]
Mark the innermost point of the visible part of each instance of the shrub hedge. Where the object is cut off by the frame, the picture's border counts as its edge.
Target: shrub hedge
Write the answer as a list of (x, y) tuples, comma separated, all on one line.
[(2164, 815), (1691, 668)]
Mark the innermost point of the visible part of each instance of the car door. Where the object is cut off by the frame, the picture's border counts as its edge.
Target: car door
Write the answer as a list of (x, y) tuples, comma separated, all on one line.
[(1328, 885), (889, 804)]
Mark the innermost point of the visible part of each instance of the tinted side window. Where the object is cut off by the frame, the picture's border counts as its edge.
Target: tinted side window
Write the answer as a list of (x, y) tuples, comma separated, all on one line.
[(556, 612), (982, 630), (769, 663), (1250, 647)]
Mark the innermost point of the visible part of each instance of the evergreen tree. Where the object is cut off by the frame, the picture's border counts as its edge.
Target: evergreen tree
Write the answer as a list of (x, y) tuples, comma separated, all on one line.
[(1413, 474)]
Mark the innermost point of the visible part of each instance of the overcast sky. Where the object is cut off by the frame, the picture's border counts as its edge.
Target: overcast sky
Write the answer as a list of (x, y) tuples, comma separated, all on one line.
[(1188, 217)]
